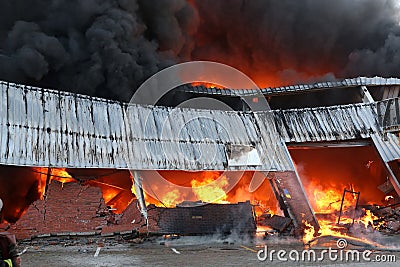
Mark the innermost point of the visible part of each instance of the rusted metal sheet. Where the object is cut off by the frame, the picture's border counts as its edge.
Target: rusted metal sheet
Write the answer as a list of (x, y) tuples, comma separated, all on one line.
[(42, 127)]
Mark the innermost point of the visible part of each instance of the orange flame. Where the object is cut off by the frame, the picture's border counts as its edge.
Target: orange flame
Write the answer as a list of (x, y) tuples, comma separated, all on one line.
[(171, 198), (328, 201), (208, 85), (209, 186), (61, 175), (57, 174), (211, 190), (368, 220), (309, 232)]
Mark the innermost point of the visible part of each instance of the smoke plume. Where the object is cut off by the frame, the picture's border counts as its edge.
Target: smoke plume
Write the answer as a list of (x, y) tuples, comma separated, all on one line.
[(96, 47), (108, 48), (281, 42)]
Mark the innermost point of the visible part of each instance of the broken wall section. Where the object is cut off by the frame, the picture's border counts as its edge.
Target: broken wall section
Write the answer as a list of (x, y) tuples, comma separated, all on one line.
[(68, 207), (74, 209)]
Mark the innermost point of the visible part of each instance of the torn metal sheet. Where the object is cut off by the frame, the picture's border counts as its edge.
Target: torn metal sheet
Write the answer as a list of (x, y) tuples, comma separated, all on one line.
[(242, 156)]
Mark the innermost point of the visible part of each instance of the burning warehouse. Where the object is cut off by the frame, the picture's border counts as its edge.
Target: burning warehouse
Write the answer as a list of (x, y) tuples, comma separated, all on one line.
[(314, 153), (74, 164)]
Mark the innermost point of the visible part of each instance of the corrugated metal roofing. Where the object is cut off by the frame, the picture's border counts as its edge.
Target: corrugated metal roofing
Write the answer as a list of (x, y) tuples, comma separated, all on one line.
[(40, 127), (389, 114), (332, 123), (337, 123), (387, 145), (360, 81)]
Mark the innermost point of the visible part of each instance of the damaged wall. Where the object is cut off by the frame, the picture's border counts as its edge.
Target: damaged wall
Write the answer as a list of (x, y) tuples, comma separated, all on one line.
[(73, 209), (68, 207)]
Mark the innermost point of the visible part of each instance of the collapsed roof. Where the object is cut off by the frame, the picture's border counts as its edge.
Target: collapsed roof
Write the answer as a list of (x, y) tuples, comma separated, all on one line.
[(42, 127)]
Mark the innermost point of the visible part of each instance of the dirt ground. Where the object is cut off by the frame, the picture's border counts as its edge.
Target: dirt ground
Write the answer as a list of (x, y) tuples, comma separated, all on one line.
[(185, 251)]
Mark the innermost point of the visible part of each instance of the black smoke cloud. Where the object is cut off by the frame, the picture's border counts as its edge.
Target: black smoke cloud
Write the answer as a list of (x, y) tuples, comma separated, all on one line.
[(96, 47), (108, 48), (289, 41)]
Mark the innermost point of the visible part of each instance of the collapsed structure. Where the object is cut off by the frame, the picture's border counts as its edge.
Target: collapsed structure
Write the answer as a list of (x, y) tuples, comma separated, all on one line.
[(77, 164)]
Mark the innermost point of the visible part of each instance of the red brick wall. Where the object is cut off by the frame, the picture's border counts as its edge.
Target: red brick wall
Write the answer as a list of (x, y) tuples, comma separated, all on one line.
[(73, 208), (67, 208)]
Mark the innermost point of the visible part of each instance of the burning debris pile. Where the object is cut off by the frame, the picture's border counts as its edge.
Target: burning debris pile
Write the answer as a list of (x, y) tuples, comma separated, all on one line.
[(115, 211), (386, 219), (269, 224), (361, 220), (344, 203)]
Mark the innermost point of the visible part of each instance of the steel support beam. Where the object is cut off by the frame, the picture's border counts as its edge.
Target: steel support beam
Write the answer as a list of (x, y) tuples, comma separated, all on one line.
[(138, 185)]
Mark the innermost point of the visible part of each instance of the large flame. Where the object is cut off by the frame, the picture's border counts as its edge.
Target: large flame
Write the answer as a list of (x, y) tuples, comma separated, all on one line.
[(208, 85), (329, 227), (328, 203), (57, 174), (208, 187), (211, 189), (326, 173), (171, 198), (330, 200)]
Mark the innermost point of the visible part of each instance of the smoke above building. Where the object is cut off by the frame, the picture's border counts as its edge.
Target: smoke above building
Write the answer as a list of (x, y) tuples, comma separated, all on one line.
[(108, 48)]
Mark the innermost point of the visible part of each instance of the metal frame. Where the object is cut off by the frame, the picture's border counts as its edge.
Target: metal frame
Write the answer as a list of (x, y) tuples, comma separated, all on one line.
[(341, 204)]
